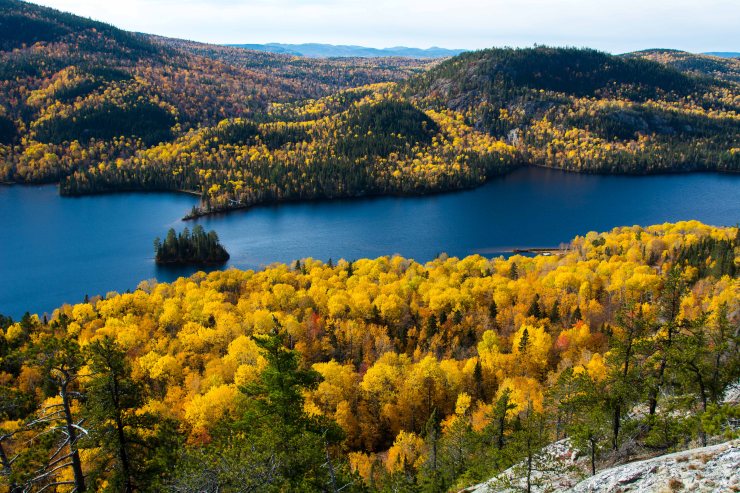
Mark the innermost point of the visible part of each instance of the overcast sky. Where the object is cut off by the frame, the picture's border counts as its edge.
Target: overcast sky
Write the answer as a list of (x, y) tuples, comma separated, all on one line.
[(611, 25)]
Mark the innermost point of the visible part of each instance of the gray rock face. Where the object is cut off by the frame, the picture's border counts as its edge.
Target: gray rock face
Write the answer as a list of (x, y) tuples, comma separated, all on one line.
[(708, 469), (556, 468)]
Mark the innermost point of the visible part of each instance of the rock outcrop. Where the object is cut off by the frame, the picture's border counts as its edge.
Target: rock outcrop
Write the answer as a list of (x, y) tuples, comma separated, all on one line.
[(707, 469), (559, 469)]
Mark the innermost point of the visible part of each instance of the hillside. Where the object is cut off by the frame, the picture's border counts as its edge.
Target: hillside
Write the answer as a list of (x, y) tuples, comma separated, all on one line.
[(584, 110), (319, 50), (380, 375), (707, 65), (76, 92), (358, 142), (98, 109), (329, 75)]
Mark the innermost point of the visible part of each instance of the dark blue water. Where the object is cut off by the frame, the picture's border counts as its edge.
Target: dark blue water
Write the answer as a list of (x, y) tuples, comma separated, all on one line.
[(55, 250)]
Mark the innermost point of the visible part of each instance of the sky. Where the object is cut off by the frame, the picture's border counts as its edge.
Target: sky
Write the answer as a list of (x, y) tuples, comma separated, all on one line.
[(616, 26)]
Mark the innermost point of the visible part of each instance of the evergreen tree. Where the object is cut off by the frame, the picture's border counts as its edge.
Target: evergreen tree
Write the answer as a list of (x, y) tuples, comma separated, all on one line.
[(555, 312), (187, 247), (576, 315), (524, 341), (60, 359), (432, 326), (626, 375), (301, 443), (493, 312), (669, 304), (587, 422), (513, 271), (132, 443), (534, 308), (524, 448), (500, 417)]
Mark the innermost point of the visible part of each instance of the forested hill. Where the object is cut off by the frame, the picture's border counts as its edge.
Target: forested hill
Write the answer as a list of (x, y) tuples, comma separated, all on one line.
[(713, 66), (100, 109), (24, 24), (66, 81), (723, 54), (363, 141), (319, 76), (585, 110)]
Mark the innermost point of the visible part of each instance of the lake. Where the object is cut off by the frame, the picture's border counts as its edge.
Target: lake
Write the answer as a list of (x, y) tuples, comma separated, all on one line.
[(55, 250)]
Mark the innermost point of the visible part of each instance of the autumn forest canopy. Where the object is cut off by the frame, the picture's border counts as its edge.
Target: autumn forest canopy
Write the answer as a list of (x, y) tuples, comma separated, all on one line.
[(378, 375)]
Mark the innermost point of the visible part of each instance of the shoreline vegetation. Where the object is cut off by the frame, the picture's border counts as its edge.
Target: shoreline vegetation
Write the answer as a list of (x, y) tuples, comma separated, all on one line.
[(186, 248), (540, 250), (198, 212)]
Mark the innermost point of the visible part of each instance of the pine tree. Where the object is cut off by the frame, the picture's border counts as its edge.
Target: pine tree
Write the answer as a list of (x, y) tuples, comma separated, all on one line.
[(524, 341), (61, 360), (432, 326), (493, 312), (534, 308), (513, 271), (555, 312), (133, 442), (275, 408), (625, 378)]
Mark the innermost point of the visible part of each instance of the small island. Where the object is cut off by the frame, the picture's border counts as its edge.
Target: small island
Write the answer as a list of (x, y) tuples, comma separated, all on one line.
[(197, 247)]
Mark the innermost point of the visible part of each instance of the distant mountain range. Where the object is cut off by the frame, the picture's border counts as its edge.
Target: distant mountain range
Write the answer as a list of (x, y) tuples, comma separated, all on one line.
[(322, 50), (318, 50), (724, 54)]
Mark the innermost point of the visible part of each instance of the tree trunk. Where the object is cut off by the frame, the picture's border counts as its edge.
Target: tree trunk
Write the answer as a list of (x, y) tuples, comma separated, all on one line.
[(6, 470), (123, 455), (79, 477), (122, 451), (615, 426), (653, 397), (529, 466), (330, 466), (501, 424), (593, 456), (703, 395), (653, 403)]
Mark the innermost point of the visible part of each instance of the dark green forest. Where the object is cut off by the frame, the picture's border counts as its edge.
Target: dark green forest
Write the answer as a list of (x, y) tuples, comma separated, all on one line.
[(197, 247)]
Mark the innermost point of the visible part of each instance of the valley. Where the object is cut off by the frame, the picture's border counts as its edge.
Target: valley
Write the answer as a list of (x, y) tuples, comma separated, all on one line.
[(319, 268)]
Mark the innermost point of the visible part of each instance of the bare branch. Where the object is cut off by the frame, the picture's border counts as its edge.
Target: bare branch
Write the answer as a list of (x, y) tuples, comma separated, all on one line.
[(50, 472), (56, 483)]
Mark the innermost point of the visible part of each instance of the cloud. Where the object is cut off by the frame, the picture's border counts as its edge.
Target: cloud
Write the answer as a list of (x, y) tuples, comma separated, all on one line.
[(613, 26)]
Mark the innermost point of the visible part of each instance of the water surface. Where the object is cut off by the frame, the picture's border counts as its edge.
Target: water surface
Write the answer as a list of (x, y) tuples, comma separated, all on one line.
[(54, 250)]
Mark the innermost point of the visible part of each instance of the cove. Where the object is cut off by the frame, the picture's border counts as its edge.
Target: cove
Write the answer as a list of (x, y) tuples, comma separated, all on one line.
[(55, 250)]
